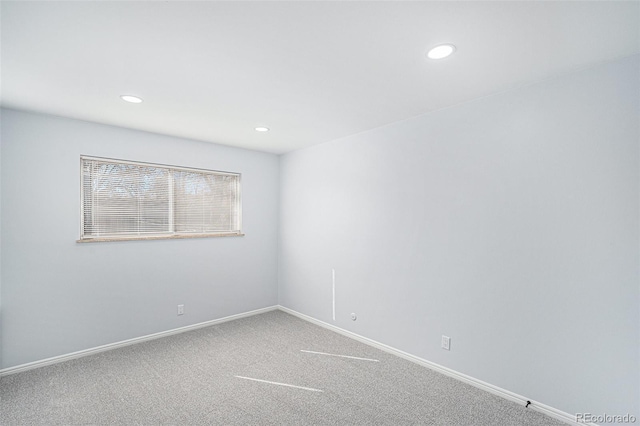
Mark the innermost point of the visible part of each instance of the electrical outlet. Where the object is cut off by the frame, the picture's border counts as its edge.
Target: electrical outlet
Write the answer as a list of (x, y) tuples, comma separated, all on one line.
[(446, 342), (180, 309)]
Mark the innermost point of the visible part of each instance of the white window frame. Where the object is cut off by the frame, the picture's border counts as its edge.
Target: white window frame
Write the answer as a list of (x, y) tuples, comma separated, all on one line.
[(173, 234)]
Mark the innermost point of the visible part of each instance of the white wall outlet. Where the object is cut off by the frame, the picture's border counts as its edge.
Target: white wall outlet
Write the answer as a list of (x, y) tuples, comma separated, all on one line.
[(180, 309), (353, 317), (446, 342)]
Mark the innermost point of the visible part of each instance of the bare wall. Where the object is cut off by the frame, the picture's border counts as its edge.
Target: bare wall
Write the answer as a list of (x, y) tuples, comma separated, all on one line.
[(510, 224), (59, 296)]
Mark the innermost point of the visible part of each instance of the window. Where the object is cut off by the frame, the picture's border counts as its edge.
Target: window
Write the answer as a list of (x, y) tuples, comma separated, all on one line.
[(130, 200)]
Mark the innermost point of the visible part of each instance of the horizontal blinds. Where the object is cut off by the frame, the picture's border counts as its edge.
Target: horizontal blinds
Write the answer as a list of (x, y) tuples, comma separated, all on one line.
[(137, 199), (205, 203)]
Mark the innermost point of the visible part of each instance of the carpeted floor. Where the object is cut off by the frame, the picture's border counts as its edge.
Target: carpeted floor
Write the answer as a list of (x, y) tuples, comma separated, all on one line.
[(192, 378)]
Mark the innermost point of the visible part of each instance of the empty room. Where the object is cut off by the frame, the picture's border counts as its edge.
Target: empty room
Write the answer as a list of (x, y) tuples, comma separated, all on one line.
[(320, 213)]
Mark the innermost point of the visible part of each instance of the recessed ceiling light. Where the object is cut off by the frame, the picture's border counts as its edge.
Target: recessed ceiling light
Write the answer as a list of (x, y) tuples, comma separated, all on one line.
[(441, 51), (132, 99), (262, 129)]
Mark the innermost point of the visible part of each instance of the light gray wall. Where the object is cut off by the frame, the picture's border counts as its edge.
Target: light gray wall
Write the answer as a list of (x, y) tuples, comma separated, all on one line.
[(59, 296), (1, 344), (510, 224)]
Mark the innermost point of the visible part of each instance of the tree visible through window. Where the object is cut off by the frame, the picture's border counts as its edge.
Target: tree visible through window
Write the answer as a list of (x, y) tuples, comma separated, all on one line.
[(124, 199)]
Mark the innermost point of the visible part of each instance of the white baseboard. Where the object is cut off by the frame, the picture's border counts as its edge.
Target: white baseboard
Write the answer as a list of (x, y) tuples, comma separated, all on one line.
[(495, 390), (110, 346), (549, 411)]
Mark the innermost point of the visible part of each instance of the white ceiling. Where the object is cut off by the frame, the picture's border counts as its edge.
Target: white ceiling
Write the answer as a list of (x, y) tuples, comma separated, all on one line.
[(310, 71)]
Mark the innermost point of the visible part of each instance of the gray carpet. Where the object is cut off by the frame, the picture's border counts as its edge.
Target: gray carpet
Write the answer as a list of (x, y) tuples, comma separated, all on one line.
[(190, 379)]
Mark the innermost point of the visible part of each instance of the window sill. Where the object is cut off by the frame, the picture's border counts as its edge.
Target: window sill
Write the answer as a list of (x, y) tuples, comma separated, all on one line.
[(155, 237)]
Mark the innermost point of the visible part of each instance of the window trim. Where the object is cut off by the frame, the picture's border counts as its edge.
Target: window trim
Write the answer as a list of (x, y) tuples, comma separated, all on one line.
[(174, 236)]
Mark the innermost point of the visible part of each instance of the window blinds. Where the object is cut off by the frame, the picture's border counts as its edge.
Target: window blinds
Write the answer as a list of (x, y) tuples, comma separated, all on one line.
[(128, 199)]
